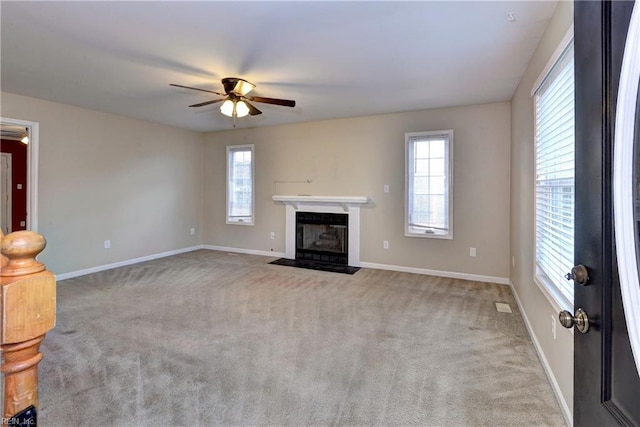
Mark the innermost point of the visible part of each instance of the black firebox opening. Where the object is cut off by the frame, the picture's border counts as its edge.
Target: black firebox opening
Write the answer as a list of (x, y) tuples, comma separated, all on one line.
[(322, 237)]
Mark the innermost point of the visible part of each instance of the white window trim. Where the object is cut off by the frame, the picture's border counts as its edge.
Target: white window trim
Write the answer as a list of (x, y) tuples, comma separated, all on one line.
[(564, 43), (253, 186), (407, 228), (556, 298)]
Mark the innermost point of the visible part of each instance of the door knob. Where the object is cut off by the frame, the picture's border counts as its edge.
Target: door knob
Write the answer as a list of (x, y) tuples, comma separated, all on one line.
[(580, 320), (579, 274)]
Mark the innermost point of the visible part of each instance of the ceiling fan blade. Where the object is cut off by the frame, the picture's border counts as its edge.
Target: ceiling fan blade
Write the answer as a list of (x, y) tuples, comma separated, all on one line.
[(274, 101), (195, 88), (253, 111), (202, 104)]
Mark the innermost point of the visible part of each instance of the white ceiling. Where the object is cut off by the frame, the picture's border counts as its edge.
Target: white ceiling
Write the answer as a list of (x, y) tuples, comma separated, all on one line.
[(336, 59)]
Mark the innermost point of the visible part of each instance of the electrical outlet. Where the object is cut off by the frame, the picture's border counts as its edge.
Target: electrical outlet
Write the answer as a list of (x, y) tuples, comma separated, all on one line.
[(513, 261), (386, 188), (553, 326), (193, 231), (385, 244), (273, 235), (472, 251), (107, 244)]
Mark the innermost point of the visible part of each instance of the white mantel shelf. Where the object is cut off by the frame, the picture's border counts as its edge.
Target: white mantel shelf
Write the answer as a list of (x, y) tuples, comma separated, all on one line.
[(328, 204), (344, 201)]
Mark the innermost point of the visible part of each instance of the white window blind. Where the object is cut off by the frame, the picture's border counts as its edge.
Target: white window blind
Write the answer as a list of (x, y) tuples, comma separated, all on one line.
[(240, 184), (429, 184), (555, 182)]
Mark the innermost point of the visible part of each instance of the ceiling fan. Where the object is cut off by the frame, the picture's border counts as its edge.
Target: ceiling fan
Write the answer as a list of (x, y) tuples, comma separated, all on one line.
[(236, 102)]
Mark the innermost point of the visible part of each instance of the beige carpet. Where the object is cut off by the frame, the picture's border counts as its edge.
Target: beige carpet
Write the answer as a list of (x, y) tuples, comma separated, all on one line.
[(207, 338)]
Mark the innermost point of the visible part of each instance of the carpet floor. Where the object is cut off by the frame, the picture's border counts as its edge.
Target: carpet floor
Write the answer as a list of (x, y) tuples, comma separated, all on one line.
[(208, 338)]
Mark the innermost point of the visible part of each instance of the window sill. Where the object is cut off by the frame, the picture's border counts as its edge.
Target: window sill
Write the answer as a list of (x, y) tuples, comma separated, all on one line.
[(557, 300), (424, 234), (239, 222)]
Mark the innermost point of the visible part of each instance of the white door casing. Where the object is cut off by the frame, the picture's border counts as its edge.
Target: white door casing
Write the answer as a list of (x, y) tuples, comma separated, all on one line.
[(5, 192)]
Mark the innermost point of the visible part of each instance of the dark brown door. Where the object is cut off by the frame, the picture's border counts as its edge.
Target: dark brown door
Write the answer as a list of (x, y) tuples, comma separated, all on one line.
[(606, 375)]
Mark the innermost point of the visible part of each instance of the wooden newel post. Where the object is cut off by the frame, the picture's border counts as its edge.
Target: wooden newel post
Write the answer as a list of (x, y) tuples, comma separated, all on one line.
[(28, 310)]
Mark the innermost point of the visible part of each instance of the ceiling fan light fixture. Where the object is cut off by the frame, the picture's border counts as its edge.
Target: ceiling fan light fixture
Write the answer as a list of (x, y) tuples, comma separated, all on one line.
[(227, 108), (243, 87), (235, 104), (242, 109)]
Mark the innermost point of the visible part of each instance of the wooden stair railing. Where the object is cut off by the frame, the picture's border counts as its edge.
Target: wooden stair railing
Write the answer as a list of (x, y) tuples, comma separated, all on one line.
[(28, 310)]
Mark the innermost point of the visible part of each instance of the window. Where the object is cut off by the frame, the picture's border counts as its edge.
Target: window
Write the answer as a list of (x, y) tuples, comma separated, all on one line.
[(240, 184), (428, 192), (554, 180)]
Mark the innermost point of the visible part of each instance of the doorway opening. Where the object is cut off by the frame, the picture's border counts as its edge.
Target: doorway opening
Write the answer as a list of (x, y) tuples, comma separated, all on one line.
[(27, 133)]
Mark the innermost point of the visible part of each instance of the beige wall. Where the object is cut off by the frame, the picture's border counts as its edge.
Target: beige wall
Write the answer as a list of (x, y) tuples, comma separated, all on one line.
[(102, 176), (356, 157), (538, 310)]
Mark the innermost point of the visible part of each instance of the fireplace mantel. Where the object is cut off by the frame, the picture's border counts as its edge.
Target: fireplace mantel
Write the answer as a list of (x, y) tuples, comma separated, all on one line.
[(344, 201), (331, 204)]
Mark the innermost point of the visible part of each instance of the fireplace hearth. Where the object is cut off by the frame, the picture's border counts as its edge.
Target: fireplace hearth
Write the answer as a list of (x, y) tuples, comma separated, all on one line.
[(322, 243), (315, 265)]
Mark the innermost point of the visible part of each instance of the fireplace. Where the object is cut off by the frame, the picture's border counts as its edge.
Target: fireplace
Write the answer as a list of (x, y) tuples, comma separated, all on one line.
[(322, 237), (347, 206)]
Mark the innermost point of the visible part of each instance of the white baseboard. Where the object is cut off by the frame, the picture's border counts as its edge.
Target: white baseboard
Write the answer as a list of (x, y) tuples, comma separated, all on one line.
[(91, 270), (244, 251), (477, 278), (564, 407), (464, 276), (439, 273)]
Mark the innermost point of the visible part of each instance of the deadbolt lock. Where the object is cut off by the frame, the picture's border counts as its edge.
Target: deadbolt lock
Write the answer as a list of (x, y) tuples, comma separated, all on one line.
[(579, 274)]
